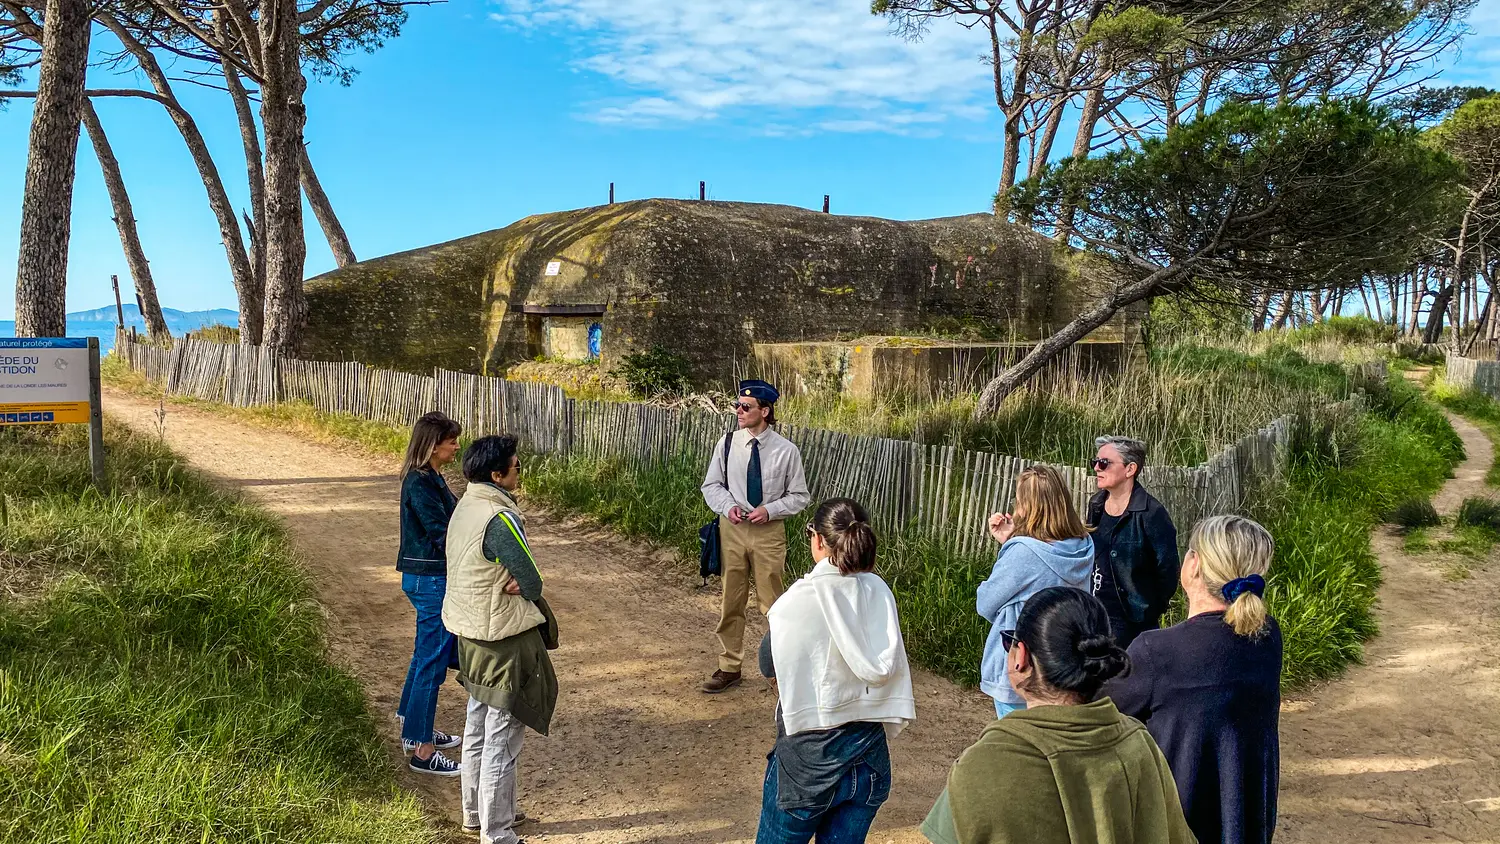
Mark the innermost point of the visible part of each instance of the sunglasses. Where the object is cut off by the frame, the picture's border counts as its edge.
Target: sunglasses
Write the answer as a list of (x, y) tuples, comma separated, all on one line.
[(1007, 639), (811, 531), (741, 407), (1101, 463)]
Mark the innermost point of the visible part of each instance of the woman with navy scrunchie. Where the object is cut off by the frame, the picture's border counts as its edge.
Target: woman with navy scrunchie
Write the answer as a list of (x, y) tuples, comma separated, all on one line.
[(1209, 688)]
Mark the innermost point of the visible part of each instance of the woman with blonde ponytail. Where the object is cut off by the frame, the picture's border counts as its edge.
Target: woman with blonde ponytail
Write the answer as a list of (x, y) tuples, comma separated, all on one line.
[(1209, 689)]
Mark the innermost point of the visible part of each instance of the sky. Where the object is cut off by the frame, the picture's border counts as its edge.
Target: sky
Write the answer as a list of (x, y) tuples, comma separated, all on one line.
[(484, 111)]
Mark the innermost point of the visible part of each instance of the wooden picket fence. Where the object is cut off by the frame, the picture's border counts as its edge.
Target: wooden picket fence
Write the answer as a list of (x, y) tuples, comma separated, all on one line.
[(1470, 374), (942, 491)]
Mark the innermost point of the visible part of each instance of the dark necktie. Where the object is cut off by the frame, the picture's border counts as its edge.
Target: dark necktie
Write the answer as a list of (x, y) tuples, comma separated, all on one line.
[(753, 492)]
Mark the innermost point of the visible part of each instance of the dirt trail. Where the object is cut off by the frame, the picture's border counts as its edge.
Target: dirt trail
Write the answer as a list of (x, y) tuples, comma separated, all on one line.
[(1404, 747), (636, 754)]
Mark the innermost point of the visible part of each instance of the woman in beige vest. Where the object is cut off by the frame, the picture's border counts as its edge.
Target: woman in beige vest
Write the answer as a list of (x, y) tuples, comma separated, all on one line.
[(504, 627)]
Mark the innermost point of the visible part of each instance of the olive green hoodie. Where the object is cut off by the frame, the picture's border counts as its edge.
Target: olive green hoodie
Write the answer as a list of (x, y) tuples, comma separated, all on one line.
[(1060, 775)]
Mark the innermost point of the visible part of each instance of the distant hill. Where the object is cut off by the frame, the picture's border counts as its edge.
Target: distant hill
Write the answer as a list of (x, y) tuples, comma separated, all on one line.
[(177, 321)]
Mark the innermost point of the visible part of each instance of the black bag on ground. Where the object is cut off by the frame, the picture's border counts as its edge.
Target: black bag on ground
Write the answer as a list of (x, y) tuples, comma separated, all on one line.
[(709, 561)]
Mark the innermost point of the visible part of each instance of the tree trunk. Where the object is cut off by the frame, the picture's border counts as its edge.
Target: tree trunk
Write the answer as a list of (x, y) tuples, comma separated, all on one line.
[(130, 239), (245, 282), (1433, 331), (282, 116), (251, 323), (1262, 312), (1483, 324), (47, 205), (1097, 314), (343, 253), (1284, 311)]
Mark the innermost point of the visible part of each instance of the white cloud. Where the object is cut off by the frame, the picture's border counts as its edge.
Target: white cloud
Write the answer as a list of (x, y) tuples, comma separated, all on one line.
[(689, 60)]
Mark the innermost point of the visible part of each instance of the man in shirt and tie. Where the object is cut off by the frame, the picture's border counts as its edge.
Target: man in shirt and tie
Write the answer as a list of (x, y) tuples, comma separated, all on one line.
[(762, 485)]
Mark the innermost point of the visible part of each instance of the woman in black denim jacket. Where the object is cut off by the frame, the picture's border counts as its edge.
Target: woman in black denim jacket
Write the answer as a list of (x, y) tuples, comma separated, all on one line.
[(1135, 542)]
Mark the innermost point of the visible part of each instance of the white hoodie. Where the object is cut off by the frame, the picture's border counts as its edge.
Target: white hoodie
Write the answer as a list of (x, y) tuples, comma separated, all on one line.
[(836, 643)]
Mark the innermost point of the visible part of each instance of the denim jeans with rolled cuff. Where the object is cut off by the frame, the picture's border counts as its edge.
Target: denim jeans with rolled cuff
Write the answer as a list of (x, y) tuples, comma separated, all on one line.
[(433, 653)]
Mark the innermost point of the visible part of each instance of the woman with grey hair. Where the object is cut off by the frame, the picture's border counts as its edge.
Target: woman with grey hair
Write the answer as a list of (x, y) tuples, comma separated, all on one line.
[(1135, 542)]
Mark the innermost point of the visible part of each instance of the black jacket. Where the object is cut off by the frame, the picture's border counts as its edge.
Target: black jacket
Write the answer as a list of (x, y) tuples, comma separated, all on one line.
[(426, 506), (1141, 551)]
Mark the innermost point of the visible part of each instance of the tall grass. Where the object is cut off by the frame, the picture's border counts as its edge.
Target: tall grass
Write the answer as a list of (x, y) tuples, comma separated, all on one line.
[(163, 667), (1186, 402)]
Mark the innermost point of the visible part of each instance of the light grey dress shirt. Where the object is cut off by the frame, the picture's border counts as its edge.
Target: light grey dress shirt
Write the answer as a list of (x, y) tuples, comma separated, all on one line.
[(782, 482)]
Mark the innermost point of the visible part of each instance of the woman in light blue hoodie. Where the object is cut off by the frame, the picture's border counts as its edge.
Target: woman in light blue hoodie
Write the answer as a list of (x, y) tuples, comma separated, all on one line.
[(1043, 544)]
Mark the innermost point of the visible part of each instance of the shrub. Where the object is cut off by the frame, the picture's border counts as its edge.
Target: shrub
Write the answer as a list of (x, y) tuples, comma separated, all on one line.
[(1414, 513), (1479, 512), (655, 372)]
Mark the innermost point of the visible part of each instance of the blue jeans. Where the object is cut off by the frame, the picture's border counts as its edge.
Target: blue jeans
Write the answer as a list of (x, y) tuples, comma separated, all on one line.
[(434, 652), (1003, 709), (846, 820)]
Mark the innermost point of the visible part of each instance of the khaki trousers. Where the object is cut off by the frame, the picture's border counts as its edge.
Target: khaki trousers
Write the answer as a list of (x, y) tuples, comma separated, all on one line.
[(744, 548)]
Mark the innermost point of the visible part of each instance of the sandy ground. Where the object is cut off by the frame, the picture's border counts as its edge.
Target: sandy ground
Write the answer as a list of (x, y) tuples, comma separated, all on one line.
[(637, 753), (1403, 748)]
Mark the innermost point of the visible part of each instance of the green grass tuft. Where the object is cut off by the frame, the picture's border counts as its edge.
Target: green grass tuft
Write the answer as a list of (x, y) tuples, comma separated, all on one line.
[(1479, 513), (1413, 513), (163, 670)]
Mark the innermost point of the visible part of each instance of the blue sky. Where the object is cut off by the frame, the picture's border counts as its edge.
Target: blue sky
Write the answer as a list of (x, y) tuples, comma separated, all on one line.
[(484, 111)]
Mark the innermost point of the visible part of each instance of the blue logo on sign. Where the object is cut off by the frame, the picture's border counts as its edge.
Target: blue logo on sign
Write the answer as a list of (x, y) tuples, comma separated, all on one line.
[(12, 417), (47, 416)]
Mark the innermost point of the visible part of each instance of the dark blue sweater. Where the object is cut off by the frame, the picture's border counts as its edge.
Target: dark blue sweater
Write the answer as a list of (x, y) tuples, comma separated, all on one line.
[(426, 506), (1212, 701)]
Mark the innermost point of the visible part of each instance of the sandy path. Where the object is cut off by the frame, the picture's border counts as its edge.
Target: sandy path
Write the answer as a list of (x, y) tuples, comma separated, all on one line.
[(1403, 748), (636, 754)]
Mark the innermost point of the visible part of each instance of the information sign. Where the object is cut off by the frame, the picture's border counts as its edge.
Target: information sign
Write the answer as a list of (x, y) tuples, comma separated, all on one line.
[(52, 380)]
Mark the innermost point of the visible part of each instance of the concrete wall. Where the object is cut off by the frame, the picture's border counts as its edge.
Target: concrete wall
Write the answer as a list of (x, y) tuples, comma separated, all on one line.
[(889, 365)]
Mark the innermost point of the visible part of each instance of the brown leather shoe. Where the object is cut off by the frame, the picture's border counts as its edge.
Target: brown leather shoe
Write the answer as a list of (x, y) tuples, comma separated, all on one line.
[(721, 681)]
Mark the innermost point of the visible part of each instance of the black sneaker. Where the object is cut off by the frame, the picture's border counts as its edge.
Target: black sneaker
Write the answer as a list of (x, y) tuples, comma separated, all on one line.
[(440, 739), (438, 765)]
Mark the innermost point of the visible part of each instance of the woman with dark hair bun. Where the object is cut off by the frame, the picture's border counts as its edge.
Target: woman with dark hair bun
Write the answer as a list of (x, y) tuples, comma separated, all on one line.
[(835, 648), (1064, 770)]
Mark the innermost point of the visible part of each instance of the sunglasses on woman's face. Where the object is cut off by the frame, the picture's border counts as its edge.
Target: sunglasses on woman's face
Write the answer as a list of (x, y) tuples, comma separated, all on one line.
[(1007, 639), (1101, 463), (811, 531)]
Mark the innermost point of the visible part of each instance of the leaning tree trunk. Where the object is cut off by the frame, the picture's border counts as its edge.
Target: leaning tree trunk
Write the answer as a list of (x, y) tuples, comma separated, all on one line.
[(1262, 312), (1097, 314), (47, 205), (1433, 331), (245, 282), (130, 239), (1284, 311), (281, 114), (338, 241), (251, 322)]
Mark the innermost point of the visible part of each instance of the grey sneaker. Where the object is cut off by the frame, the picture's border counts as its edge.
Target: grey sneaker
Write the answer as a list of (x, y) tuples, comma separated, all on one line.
[(438, 765)]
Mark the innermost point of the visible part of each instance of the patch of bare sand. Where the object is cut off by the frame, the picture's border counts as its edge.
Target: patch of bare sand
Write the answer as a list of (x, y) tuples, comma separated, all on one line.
[(1403, 748), (636, 754)]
